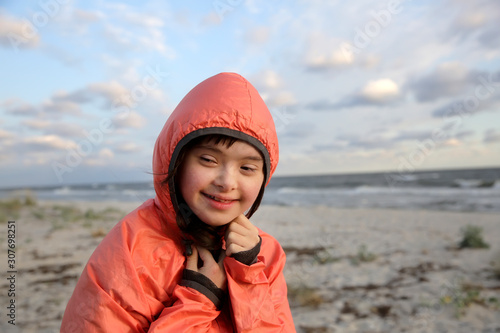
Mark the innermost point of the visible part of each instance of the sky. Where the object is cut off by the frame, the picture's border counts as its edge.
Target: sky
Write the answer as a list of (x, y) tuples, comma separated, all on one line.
[(353, 86)]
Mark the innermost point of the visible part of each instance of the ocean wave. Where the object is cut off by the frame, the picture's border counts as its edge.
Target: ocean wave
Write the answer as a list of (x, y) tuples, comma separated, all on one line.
[(476, 183), (486, 199), (472, 188), (65, 190)]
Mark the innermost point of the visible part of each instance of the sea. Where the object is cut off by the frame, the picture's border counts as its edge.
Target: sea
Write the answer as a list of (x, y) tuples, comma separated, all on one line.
[(470, 190)]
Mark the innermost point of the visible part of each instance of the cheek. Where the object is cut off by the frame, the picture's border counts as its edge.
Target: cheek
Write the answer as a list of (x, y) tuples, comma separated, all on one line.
[(252, 191), (185, 186), (190, 182)]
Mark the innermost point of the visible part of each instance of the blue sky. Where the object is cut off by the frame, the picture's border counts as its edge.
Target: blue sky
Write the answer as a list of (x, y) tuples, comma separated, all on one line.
[(354, 86)]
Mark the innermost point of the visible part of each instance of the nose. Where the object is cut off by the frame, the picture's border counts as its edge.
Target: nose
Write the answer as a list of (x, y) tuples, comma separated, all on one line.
[(225, 180)]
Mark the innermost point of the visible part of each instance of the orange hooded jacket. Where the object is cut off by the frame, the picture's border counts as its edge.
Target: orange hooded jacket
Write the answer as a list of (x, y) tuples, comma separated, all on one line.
[(131, 281)]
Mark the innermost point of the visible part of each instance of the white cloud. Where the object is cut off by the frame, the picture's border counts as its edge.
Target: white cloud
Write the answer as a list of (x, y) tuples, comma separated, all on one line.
[(272, 79), (471, 20), (379, 91), (131, 31), (281, 98), (210, 19), (85, 16), (129, 120), (449, 72), (20, 108), (317, 59), (155, 41), (47, 142), (324, 60), (111, 91), (53, 107), (36, 123), (106, 153), (453, 142), (267, 79), (118, 36), (102, 158), (326, 52), (17, 33), (36, 159), (491, 136), (128, 147), (76, 21), (62, 102), (142, 20), (63, 129), (258, 35), (60, 107), (476, 20), (5, 134), (374, 93)]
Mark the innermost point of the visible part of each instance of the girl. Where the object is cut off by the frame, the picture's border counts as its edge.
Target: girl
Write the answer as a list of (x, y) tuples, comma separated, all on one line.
[(190, 260)]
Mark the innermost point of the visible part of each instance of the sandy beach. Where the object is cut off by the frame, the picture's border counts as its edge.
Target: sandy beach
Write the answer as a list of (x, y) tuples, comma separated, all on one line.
[(347, 270)]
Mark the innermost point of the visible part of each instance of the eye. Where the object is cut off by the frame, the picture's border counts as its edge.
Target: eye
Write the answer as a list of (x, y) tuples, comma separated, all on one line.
[(208, 159), (249, 168)]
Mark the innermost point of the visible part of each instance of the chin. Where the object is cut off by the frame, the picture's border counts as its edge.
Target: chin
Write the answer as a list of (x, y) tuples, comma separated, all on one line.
[(217, 221)]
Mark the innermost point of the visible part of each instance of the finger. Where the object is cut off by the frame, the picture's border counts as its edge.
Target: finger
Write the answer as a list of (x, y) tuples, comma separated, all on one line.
[(236, 228), (241, 236), (192, 260), (243, 221), (236, 231), (233, 248), (243, 226), (206, 256), (233, 238), (222, 256)]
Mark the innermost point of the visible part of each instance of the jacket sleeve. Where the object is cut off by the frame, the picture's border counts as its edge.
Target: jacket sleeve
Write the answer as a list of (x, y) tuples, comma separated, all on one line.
[(258, 292), (121, 291), (192, 312)]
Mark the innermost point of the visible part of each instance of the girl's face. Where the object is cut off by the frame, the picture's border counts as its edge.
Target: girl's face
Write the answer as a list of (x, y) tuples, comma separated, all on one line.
[(219, 183)]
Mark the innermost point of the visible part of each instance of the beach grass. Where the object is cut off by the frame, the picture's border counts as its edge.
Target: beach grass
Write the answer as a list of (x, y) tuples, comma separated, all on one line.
[(10, 208), (363, 256), (464, 294), (304, 296), (60, 214), (472, 237), (495, 264)]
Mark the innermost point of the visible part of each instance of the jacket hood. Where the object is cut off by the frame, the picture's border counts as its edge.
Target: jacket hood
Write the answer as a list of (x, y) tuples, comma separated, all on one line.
[(222, 104)]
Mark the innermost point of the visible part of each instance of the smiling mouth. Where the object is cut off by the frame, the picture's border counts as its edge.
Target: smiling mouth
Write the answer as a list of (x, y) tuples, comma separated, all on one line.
[(217, 199)]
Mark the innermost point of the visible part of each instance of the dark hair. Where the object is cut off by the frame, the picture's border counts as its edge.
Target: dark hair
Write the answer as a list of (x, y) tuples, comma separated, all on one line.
[(195, 229)]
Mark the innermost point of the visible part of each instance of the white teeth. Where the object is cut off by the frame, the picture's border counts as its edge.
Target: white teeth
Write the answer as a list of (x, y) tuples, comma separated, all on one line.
[(217, 199)]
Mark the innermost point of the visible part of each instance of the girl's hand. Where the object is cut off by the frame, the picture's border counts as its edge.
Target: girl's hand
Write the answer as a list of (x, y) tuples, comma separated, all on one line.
[(241, 235), (211, 269)]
